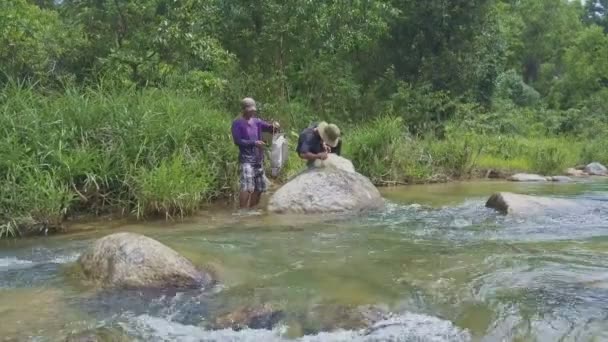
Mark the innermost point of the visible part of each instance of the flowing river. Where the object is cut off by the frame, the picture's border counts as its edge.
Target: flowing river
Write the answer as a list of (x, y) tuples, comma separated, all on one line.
[(446, 267)]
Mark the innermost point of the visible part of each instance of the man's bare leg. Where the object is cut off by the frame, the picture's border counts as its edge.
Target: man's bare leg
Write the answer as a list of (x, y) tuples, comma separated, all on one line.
[(255, 199), (244, 199)]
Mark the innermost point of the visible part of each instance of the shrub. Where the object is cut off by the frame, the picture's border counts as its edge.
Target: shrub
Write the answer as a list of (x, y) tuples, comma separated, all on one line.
[(382, 150), (176, 186)]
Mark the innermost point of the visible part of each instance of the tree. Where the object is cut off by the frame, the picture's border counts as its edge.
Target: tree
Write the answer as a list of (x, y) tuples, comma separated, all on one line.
[(33, 42), (586, 65), (145, 41), (596, 12)]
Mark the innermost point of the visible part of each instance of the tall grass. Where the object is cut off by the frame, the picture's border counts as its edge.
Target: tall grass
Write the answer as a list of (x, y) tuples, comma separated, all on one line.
[(383, 150), (152, 152), (159, 152)]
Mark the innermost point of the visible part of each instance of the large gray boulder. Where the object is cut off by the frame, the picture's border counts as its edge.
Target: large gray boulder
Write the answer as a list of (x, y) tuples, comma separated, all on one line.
[(128, 260), (326, 190), (516, 204), (596, 169), (526, 177)]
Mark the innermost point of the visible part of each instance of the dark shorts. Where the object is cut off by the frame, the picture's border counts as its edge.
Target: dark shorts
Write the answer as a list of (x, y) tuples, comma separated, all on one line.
[(252, 178)]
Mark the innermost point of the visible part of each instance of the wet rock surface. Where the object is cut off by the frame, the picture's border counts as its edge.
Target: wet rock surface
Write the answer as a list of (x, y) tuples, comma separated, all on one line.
[(128, 260)]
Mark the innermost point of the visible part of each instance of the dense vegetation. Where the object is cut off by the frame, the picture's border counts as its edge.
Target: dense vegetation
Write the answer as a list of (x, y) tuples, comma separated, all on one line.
[(126, 104)]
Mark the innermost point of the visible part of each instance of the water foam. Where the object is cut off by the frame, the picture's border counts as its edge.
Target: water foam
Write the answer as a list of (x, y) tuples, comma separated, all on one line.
[(404, 327), (64, 259), (12, 262)]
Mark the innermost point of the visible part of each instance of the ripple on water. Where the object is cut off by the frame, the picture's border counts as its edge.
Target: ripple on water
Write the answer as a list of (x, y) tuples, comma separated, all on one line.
[(12, 263), (536, 295), (472, 222)]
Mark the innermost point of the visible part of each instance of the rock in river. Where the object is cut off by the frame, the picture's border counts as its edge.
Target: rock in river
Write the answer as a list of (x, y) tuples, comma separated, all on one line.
[(526, 177), (576, 172), (509, 203), (326, 190), (130, 260), (561, 179), (596, 169), (255, 317)]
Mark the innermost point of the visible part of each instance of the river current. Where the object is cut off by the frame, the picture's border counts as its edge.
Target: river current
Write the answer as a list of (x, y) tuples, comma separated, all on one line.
[(443, 265)]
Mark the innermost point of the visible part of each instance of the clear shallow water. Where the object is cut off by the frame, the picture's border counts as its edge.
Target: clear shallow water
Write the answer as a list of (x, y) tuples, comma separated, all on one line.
[(447, 267)]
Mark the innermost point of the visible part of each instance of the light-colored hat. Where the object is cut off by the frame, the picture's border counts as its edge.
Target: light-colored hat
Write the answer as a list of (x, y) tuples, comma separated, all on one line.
[(248, 104), (330, 133)]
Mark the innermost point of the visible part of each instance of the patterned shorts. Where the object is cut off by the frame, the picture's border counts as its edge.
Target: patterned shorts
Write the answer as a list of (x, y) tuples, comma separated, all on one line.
[(252, 178)]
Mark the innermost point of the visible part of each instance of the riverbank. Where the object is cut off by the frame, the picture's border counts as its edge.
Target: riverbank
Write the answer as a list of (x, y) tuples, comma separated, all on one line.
[(159, 153)]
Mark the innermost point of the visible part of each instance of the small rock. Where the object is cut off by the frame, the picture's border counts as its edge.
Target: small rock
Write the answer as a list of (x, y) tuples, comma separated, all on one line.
[(596, 169), (562, 179), (256, 317), (526, 177), (494, 174), (576, 172)]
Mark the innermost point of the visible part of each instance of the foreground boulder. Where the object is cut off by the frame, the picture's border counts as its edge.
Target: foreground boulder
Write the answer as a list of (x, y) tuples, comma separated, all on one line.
[(326, 190), (509, 203), (526, 177), (130, 260), (596, 169)]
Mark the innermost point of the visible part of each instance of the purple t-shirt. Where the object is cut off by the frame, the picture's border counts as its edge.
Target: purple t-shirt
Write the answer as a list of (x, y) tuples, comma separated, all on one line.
[(245, 133)]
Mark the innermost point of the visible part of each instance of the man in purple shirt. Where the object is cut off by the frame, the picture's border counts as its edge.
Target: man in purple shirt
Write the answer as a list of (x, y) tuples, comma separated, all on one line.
[(247, 135)]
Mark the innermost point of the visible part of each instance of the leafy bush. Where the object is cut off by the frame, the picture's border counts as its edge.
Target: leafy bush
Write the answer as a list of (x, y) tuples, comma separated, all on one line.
[(175, 187), (510, 86), (421, 108), (382, 150), (456, 155)]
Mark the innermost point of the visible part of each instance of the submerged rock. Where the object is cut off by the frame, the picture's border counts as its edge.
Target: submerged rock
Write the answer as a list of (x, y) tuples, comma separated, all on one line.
[(527, 177), (331, 317), (326, 190), (509, 203), (135, 261), (596, 169), (257, 317), (100, 335), (415, 327)]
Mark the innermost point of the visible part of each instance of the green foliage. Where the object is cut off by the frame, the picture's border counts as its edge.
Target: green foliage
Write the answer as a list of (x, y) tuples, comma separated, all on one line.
[(175, 187), (456, 155), (546, 156), (382, 150), (126, 104), (421, 108), (33, 42), (97, 150), (587, 64), (594, 151), (510, 86)]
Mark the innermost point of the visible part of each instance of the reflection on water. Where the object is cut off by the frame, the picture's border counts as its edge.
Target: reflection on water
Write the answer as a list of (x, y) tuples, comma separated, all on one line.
[(444, 265)]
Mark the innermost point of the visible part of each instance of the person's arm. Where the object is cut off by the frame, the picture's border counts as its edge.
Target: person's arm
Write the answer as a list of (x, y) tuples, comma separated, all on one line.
[(268, 127), (305, 150), (239, 136)]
